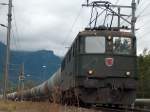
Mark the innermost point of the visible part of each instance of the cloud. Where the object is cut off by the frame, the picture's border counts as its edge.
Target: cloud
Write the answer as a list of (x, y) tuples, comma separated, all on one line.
[(53, 25)]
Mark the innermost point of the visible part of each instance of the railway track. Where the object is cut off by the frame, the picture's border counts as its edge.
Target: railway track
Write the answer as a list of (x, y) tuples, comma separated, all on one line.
[(110, 109)]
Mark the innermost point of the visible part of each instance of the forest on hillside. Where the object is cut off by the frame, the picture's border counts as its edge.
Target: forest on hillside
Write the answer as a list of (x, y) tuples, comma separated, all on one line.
[(144, 74)]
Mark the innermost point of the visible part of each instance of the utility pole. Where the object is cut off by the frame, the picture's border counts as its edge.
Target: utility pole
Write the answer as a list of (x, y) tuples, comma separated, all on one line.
[(119, 17), (6, 72), (133, 21), (21, 81)]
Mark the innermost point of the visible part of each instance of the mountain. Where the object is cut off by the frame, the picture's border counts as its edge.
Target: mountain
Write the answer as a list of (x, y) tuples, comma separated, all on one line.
[(38, 65)]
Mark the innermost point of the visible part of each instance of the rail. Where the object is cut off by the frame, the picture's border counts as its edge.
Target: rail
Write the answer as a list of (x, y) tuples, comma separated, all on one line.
[(114, 109)]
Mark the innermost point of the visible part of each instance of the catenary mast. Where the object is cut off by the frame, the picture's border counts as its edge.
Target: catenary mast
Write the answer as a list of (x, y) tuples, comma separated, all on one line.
[(6, 72)]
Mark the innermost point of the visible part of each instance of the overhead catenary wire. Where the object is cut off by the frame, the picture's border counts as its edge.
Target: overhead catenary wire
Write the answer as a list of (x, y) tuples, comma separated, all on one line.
[(106, 16), (142, 36), (145, 15), (15, 38), (139, 15), (2, 51), (78, 15), (141, 12), (97, 16), (117, 1), (16, 28), (140, 3), (144, 25), (124, 21), (71, 29), (14, 42), (72, 26)]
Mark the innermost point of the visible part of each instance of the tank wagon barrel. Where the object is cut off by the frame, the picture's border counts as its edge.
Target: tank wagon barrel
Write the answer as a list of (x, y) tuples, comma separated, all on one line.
[(42, 91)]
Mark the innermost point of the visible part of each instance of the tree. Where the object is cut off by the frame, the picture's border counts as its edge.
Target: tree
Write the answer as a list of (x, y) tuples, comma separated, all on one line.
[(144, 74)]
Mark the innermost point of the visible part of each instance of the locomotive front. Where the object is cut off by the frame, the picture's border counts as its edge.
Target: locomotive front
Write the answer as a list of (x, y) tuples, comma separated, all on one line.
[(107, 67)]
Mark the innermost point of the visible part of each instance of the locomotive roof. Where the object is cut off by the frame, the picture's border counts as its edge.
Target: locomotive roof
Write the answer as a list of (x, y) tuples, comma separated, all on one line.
[(105, 33), (86, 33)]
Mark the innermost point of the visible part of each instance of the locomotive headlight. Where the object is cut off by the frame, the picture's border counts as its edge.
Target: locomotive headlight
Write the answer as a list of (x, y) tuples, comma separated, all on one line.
[(109, 38), (128, 73), (90, 72)]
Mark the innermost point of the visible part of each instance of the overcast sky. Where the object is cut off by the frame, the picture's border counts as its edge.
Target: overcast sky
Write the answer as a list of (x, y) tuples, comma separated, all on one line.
[(53, 24)]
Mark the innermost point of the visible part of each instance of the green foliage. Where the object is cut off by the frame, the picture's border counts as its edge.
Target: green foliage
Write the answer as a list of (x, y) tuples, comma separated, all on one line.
[(144, 74)]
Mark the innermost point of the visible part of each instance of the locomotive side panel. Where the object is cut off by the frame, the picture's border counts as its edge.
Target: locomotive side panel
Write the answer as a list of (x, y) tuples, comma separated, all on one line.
[(70, 67)]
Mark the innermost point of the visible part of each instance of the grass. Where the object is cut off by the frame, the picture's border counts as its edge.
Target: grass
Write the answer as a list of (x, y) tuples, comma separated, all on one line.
[(10, 106)]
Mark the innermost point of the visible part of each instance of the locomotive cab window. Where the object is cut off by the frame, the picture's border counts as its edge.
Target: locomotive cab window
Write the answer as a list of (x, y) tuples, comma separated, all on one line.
[(122, 45), (95, 44)]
